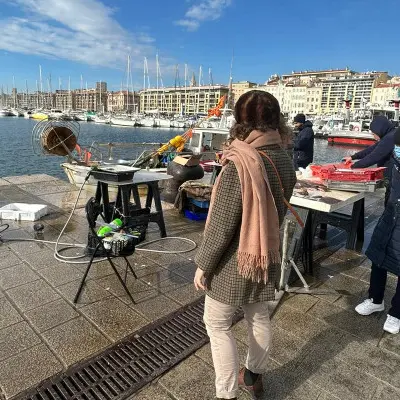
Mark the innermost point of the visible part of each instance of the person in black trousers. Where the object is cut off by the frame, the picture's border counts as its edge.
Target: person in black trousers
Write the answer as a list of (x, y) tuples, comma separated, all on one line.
[(384, 250)]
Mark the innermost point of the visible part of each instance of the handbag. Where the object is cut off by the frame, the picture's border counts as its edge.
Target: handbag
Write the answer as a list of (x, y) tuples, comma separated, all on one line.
[(288, 205)]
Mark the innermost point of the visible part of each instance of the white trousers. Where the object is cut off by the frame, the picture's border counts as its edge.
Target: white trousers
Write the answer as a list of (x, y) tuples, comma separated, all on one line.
[(218, 320)]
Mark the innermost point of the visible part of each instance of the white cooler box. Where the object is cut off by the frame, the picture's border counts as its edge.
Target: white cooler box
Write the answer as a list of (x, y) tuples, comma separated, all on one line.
[(23, 211)]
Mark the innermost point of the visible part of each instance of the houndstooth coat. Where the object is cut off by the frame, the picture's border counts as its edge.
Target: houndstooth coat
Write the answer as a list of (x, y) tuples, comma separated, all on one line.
[(217, 255)]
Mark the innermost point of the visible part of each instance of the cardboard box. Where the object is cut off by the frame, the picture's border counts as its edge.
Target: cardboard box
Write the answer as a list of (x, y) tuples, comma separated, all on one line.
[(189, 160)]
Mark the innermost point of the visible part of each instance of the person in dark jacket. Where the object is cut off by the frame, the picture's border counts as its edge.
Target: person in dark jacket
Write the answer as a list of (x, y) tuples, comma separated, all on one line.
[(303, 143), (380, 152), (384, 251)]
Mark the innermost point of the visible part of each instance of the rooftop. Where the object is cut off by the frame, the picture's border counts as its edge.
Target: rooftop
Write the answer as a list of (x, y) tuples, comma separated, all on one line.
[(314, 72)]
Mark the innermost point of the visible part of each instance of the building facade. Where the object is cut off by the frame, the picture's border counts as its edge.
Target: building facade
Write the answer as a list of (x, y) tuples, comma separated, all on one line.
[(123, 101), (384, 93), (241, 87), (357, 88), (190, 100), (65, 100), (324, 92)]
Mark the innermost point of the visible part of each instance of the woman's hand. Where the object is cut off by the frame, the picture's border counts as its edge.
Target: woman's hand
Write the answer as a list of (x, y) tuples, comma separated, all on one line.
[(199, 279)]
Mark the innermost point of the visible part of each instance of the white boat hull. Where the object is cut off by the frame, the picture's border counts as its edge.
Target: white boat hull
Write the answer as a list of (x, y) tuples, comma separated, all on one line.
[(122, 122), (147, 122), (162, 123)]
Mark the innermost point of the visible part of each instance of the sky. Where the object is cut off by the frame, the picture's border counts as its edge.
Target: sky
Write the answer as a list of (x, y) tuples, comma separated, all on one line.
[(93, 38)]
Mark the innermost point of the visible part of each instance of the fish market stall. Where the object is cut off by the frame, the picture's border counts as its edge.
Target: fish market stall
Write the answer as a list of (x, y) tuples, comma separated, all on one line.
[(319, 205)]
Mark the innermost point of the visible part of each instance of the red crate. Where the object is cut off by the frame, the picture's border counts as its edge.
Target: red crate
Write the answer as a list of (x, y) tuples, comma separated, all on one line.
[(342, 172)]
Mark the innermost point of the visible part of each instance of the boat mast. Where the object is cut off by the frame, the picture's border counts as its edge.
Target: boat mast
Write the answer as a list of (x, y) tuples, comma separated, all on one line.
[(48, 94), (27, 103), (228, 100), (81, 96), (37, 94), (127, 83), (87, 98), (100, 100), (198, 93), (146, 72), (41, 84), (186, 76), (157, 82), (163, 102), (14, 94), (69, 90), (210, 83)]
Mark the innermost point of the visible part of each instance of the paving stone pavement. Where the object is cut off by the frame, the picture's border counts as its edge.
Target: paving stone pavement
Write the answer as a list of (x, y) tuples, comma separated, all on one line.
[(321, 349)]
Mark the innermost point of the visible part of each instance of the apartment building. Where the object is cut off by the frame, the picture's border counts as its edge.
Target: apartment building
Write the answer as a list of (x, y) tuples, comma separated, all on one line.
[(356, 87), (384, 93), (313, 100), (123, 101), (65, 100), (190, 100), (241, 87)]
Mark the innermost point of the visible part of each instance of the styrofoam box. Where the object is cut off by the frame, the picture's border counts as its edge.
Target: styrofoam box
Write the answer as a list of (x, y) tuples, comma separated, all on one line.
[(23, 211)]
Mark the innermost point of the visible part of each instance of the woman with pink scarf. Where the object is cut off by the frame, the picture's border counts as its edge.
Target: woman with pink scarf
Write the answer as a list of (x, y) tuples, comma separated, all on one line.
[(239, 258)]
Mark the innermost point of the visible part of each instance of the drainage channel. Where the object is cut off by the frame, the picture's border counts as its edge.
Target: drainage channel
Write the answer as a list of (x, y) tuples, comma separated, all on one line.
[(125, 368)]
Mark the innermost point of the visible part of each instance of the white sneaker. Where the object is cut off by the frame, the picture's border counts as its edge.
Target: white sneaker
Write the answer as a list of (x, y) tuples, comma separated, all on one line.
[(367, 307), (392, 324)]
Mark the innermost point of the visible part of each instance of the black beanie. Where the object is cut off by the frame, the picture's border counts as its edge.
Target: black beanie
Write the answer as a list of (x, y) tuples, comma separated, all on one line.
[(397, 137), (300, 118)]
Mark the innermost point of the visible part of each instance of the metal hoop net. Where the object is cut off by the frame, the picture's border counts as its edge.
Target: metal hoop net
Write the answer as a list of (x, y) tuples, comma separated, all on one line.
[(55, 137)]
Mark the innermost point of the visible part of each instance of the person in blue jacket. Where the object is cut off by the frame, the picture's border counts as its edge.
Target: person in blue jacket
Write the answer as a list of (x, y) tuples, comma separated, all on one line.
[(303, 146), (384, 251), (380, 152)]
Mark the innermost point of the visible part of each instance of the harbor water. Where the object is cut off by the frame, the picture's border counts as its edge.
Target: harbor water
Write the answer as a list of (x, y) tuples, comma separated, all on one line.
[(18, 158)]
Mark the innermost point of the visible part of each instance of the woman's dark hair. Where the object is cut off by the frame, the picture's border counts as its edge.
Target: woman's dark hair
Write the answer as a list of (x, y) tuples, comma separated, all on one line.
[(255, 110)]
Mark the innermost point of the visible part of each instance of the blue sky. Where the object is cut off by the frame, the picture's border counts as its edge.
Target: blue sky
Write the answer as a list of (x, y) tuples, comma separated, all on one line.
[(94, 37)]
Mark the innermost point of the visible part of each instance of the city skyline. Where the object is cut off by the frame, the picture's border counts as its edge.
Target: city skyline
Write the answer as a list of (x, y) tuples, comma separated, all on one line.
[(93, 38)]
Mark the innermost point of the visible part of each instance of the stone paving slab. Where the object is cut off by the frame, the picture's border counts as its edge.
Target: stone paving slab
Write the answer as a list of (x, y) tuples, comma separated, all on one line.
[(43, 188), (8, 314), (25, 179), (16, 338), (27, 369), (75, 340), (8, 259), (92, 293), (50, 315), (32, 295), (113, 318), (16, 276)]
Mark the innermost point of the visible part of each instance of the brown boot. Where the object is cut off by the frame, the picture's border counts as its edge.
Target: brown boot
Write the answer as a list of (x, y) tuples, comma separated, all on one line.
[(256, 390)]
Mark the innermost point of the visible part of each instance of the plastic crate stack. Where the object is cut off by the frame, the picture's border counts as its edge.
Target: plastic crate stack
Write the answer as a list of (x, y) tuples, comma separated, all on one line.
[(343, 172), (196, 210)]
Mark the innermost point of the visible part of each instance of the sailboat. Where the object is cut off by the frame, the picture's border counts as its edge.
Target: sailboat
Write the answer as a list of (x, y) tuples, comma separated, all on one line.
[(127, 119)]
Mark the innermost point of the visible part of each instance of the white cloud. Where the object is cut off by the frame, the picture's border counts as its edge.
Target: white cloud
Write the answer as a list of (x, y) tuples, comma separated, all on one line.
[(206, 10), (189, 24), (78, 30)]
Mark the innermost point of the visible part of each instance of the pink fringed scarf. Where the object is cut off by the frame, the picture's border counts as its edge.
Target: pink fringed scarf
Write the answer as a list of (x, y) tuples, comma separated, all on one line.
[(259, 233)]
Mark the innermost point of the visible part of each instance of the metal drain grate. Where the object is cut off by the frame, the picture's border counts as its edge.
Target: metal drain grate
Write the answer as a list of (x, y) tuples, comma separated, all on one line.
[(131, 364)]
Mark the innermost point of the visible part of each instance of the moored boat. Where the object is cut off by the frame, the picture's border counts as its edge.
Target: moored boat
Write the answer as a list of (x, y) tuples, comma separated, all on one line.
[(39, 115), (351, 138)]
